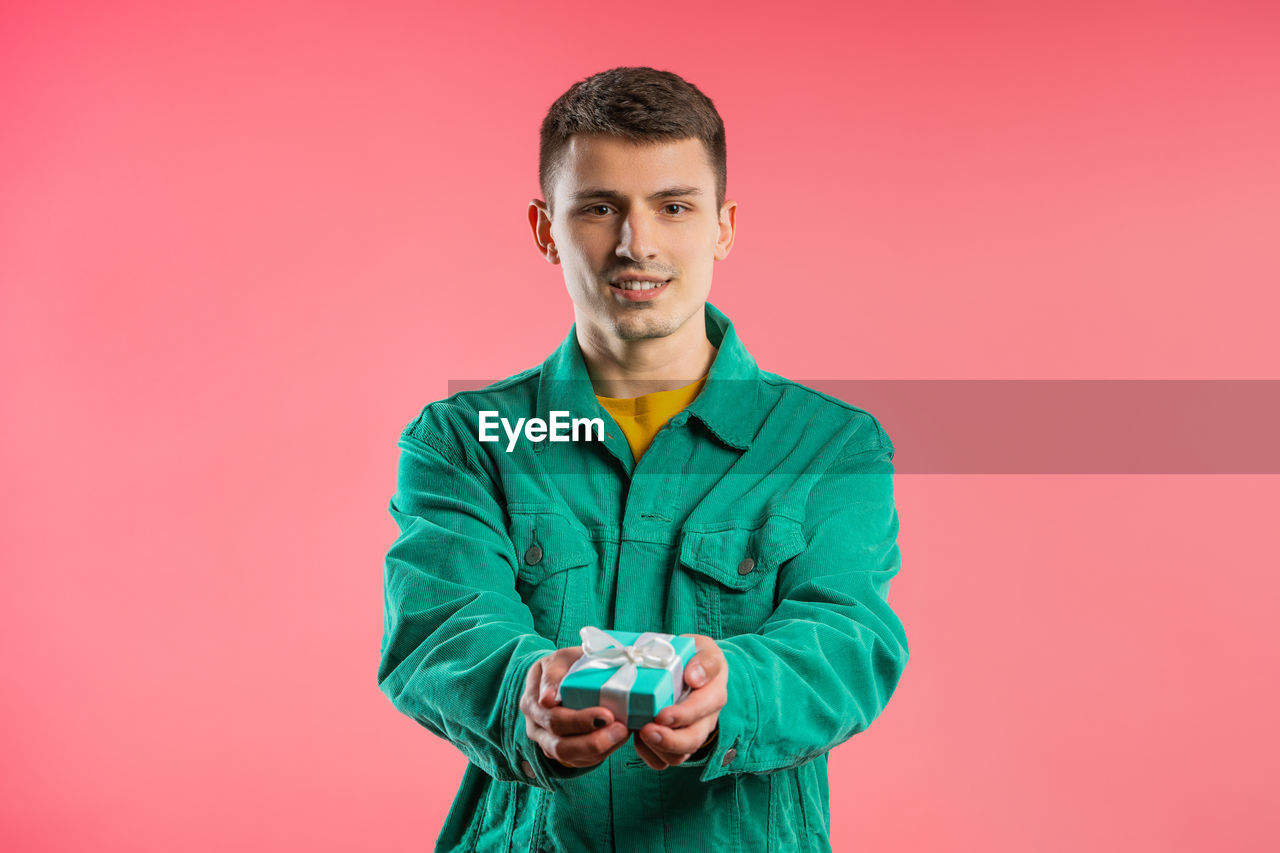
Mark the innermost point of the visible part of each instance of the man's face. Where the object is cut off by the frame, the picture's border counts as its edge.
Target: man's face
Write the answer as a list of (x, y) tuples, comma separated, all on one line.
[(637, 230)]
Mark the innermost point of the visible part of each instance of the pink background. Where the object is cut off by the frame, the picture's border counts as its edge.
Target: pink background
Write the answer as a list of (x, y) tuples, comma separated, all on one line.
[(242, 244)]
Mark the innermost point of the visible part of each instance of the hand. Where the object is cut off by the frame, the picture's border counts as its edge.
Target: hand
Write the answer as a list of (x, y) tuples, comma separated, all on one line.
[(682, 729), (581, 738)]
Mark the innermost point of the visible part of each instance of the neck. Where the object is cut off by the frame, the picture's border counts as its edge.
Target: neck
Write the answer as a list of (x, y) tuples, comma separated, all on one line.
[(627, 369)]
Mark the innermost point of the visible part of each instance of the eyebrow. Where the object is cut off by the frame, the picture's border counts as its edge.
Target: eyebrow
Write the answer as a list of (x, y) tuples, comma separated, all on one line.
[(614, 195)]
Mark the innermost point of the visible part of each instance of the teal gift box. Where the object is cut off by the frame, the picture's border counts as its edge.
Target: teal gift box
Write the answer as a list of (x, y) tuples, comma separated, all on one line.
[(634, 675)]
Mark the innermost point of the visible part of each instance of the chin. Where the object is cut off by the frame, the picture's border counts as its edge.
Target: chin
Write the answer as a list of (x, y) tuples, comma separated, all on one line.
[(644, 328)]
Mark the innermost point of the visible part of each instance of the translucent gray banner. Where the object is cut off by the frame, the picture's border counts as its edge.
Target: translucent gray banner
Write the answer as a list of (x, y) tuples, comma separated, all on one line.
[(1068, 426)]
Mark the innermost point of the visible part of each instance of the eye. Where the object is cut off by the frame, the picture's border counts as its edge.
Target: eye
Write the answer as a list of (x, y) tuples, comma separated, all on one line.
[(675, 209), (598, 210)]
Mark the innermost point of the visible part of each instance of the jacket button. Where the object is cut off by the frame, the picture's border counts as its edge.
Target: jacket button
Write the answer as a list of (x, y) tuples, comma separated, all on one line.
[(533, 556), (527, 768), (746, 566), (728, 757)]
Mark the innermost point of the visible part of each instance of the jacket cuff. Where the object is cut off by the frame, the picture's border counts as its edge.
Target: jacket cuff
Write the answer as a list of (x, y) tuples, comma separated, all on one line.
[(528, 763), (730, 751)]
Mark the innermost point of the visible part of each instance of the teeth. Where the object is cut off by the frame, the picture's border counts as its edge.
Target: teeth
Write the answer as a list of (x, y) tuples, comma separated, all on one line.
[(638, 285)]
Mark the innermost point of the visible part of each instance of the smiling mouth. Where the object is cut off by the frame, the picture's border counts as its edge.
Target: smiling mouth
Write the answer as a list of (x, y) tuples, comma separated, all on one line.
[(639, 285), (636, 292)]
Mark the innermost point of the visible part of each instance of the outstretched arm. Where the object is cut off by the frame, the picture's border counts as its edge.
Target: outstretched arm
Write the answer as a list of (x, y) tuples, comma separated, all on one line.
[(825, 663), (459, 644)]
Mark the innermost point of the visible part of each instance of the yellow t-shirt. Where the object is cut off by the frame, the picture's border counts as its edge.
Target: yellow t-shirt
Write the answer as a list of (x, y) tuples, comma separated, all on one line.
[(641, 417)]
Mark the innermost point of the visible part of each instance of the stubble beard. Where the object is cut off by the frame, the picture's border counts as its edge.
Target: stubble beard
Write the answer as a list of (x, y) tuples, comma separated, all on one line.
[(642, 324), (640, 321)]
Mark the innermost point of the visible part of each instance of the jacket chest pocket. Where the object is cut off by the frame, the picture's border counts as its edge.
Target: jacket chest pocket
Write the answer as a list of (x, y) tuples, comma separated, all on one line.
[(733, 570), (551, 553)]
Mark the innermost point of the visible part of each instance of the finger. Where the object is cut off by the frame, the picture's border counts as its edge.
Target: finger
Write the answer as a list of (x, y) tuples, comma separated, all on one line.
[(704, 666), (648, 756), (591, 759), (533, 711), (570, 721), (544, 738), (673, 759), (553, 671), (698, 704), (590, 749), (617, 746), (670, 743)]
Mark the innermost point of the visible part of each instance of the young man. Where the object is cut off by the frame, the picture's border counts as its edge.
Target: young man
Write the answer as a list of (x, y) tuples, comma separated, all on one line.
[(722, 502)]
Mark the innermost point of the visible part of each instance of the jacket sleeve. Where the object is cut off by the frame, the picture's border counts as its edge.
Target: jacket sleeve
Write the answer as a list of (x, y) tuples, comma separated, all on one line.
[(825, 663), (458, 641)]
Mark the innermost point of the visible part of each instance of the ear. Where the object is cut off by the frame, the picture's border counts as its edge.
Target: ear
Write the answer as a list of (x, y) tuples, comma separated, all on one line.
[(728, 221), (540, 222)]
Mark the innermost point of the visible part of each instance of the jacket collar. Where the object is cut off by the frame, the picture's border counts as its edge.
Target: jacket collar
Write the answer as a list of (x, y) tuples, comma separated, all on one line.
[(727, 405)]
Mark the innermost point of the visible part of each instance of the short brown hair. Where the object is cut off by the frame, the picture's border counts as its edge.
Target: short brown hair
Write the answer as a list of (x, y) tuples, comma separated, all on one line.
[(638, 104)]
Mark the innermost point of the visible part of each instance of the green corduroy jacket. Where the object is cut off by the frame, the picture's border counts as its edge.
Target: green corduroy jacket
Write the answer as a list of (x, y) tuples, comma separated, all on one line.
[(756, 467)]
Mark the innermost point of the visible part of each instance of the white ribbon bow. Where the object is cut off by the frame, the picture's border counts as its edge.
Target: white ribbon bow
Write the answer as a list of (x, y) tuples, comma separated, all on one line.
[(651, 649)]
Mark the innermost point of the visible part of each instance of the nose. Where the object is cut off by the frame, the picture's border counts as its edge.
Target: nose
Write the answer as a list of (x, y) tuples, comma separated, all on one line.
[(636, 239)]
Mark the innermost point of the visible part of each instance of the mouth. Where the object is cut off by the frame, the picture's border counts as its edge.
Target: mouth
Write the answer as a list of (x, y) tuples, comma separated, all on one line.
[(638, 290)]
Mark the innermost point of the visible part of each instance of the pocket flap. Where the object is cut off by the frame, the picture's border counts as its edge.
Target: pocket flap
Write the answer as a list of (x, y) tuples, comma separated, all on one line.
[(722, 551), (547, 543)]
